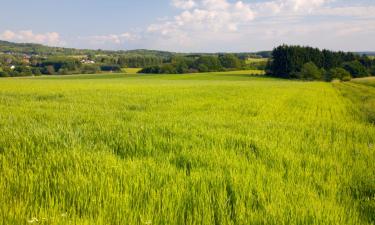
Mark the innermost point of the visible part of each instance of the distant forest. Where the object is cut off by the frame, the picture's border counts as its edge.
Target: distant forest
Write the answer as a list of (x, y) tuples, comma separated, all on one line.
[(308, 63), (292, 62), (35, 59)]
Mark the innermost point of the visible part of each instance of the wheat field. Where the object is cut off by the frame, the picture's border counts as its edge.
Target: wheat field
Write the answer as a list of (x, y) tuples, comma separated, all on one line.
[(224, 148)]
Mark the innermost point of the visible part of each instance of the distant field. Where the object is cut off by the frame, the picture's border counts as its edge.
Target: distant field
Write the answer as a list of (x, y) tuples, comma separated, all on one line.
[(256, 60), (369, 81), (131, 70), (213, 148)]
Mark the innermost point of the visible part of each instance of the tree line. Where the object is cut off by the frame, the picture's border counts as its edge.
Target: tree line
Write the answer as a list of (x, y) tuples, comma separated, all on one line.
[(196, 63), (307, 63)]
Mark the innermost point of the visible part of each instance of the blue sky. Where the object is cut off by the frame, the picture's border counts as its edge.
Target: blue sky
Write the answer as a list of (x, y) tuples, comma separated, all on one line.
[(191, 25)]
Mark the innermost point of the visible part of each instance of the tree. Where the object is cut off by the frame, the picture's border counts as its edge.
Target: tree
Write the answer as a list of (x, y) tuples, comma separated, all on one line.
[(287, 61), (356, 69), (310, 71), (4, 74), (230, 61), (372, 70), (111, 68), (168, 69), (338, 73), (208, 64), (90, 69), (36, 71)]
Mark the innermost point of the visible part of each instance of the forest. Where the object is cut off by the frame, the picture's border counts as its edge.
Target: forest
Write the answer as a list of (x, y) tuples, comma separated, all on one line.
[(35, 59), (307, 63)]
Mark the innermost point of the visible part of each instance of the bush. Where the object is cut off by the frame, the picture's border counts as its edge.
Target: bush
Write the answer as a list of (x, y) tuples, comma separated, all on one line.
[(151, 69), (168, 69), (338, 73), (356, 69), (36, 71), (22, 71), (90, 69), (310, 71), (4, 74), (372, 70), (208, 64), (230, 61), (111, 68)]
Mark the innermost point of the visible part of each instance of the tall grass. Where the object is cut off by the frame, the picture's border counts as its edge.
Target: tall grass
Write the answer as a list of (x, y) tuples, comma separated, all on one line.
[(185, 149)]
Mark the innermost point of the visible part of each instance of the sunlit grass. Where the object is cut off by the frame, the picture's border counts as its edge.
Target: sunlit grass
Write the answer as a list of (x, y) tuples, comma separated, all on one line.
[(131, 70), (214, 148)]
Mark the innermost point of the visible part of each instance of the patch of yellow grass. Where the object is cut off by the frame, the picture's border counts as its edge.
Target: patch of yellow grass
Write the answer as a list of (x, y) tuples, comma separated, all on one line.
[(131, 70)]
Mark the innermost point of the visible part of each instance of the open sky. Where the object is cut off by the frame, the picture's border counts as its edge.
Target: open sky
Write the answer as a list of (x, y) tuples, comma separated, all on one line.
[(191, 25)]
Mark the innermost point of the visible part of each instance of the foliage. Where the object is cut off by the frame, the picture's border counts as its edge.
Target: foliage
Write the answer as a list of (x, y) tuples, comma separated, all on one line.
[(310, 71), (230, 61), (73, 61), (4, 74), (111, 68), (191, 64), (287, 61), (338, 73), (356, 69)]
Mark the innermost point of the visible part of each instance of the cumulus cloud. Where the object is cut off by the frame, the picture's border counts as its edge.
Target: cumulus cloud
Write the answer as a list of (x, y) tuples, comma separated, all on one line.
[(223, 23), (247, 25), (110, 38), (28, 36), (183, 4), (205, 15), (237, 25)]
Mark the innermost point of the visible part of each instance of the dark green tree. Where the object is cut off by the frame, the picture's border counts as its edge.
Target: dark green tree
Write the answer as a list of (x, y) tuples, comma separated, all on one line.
[(338, 73), (230, 61), (356, 69), (310, 71)]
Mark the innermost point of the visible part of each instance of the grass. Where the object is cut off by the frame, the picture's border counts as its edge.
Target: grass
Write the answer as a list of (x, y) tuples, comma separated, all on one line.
[(256, 60), (369, 81), (131, 70), (211, 148), (362, 93)]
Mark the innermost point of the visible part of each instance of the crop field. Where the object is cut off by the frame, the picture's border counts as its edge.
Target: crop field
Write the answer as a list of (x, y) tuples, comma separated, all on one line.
[(256, 60), (131, 70), (214, 148)]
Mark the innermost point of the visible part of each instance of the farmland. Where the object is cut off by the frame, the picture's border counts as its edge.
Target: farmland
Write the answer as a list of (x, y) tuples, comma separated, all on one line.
[(212, 148)]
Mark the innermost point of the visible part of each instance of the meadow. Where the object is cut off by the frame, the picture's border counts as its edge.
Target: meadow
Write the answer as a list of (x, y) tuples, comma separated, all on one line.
[(214, 148)]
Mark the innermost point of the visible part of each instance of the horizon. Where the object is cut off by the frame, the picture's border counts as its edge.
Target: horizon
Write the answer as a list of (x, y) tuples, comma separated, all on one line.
[(193, 26), (160, 50)]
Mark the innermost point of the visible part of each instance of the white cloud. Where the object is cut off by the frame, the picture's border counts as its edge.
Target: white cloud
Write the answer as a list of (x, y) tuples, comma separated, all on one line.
[(235, 25), (363, 12), (288, 7), (215, 16), (216, 25), (183, 4), (110, 38), (27, 36)]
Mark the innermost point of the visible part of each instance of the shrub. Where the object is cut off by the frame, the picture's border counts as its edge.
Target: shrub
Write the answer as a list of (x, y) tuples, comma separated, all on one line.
[(310, 71), (372, 70), (208, 64), (151, 69), (168, 69), (90, 69), (111, 68), (36, 71), (4, 74), (230, 61), (338, 73), (356, 69)]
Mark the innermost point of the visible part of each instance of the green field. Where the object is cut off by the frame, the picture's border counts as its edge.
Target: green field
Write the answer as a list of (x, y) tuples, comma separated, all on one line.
[(131, 70), (214, 148)]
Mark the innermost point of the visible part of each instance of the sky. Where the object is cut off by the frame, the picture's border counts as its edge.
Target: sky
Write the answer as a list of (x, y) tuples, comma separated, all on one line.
[(191, 25)]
